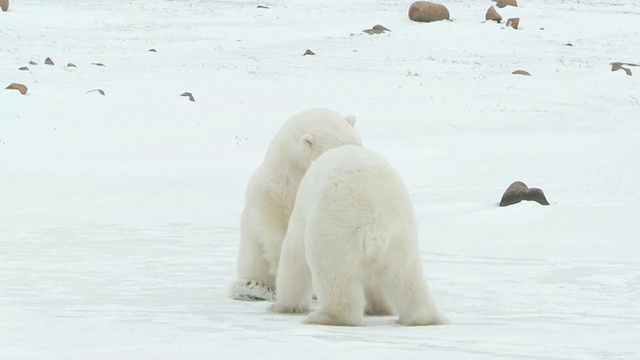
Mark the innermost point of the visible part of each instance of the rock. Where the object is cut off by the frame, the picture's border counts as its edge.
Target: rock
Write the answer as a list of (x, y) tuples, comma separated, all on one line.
[(308, 52), (521, 72), (618, 66), (24, 68), (98, 64), (48, 61), (513, 22), (153, 50), (19, 87), (519, 191), (4, 5), (492, 15), (189, 95), (503, 3), (425, 11), (33, 62), (376, 29), (100, 91), (71, 65)]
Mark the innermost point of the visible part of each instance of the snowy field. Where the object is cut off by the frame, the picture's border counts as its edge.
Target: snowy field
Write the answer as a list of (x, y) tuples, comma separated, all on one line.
[(119, 214)]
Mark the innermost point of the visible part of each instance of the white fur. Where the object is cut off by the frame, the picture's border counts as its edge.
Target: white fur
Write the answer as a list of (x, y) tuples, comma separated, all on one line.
[(352, 239), (271, 191)]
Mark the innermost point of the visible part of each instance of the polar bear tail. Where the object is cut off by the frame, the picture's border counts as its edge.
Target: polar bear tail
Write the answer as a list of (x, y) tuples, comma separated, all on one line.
[(373, 240)]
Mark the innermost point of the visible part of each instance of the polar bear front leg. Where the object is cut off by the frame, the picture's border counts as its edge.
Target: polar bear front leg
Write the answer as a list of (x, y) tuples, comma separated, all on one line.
[(255, 280), (294, 279)]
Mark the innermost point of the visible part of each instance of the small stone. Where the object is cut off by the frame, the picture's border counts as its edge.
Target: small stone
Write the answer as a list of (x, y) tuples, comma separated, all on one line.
[(519, 191), (99, 91), (71, 65), (153, 50), (376, 29), (189, 95), (521, 72), (33, 62), (425, 11), (48, 61), (503, 3), (24, 68), (19, 87), (262, 7), (513, 22), (308, 52), (98, 64), (4, 5), (492, 15), (618, 66)]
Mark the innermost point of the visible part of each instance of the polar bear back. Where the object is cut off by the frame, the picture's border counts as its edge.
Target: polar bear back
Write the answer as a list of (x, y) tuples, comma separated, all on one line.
[(355, 191)]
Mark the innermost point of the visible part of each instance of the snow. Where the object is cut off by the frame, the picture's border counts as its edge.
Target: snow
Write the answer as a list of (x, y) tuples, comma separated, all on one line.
[(119, 217)]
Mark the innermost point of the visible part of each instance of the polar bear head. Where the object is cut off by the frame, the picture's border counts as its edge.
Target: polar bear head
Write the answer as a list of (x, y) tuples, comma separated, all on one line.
[(308, 134)]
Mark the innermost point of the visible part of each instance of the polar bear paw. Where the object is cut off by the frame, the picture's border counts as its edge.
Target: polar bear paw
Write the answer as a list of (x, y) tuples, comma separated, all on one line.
[(320, 317), (278, 307), (252, 291)]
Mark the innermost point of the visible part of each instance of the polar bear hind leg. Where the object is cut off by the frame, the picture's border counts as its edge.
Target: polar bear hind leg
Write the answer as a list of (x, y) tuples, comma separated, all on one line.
[(408, 291), (294, 279), (377, 302), (339, 288)]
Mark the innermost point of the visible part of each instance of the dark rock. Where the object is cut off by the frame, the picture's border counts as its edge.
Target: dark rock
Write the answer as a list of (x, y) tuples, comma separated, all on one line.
[(519, 191)]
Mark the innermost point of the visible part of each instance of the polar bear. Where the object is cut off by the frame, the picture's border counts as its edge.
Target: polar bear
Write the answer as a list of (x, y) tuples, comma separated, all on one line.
[(352, 238), (271, 191)]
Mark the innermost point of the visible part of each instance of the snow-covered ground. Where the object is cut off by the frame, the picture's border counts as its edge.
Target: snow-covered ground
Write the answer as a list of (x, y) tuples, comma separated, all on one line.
[(119, 214)]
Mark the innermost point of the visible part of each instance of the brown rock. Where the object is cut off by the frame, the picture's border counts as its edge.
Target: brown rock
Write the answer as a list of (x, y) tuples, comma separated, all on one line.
[(4, 5), (308, 52), (492, 15), (376, 29), (513, 22), (189, 95), (618, 66), (71, 65), (519, 191), (19, 87), (503, 3), (425, 11), (521, 72), (48, 61), (627, 64)]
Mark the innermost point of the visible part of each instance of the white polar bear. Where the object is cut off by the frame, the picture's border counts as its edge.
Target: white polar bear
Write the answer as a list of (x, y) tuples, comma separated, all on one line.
[(271, 191), (352, 238)]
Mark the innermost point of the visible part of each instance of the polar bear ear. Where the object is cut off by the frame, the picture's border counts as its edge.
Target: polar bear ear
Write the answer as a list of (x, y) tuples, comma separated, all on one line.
[(351, 120), (307, 140)]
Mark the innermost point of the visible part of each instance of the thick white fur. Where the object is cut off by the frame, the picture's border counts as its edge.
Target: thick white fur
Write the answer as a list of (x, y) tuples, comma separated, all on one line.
[(352, 239), (271, 191)]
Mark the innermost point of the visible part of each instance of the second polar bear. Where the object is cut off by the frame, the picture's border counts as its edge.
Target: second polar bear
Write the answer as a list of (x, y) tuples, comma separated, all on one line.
[(352, 238), (271, 191)]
